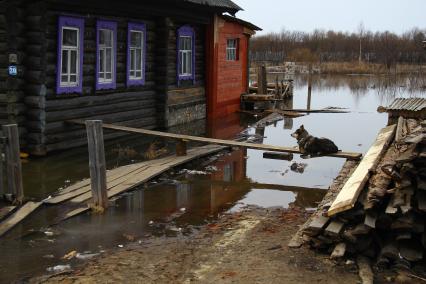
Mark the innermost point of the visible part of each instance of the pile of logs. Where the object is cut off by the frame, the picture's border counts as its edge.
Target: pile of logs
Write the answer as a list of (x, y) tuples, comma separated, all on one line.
[(387, 223)]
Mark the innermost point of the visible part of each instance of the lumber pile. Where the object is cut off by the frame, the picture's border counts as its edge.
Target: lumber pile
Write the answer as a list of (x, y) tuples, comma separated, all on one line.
[(386, 224)]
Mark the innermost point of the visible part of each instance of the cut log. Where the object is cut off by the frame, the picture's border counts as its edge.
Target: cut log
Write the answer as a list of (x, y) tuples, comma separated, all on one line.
[(316, 225), (352, 188), (399, 129), (334, 228), (370, 220), (339, 251)]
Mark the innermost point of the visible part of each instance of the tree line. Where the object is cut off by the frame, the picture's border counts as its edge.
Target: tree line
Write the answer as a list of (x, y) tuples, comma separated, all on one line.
[(335, 46)]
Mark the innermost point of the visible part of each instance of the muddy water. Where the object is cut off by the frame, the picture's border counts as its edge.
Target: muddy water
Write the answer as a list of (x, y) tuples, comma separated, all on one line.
[(179, 203)]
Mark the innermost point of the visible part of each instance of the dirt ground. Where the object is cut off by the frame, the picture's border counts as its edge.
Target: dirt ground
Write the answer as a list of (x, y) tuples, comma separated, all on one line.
[(245, 247)]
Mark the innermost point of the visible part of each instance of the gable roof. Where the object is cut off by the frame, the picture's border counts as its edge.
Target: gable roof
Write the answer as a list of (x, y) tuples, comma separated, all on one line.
[(225, 4), (241, 22)]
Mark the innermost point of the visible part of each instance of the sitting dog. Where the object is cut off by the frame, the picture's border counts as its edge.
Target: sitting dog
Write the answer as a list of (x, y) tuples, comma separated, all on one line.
[(313, 146)]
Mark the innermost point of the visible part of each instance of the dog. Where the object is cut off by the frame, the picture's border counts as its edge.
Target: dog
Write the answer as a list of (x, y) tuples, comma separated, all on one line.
[(313, 146)]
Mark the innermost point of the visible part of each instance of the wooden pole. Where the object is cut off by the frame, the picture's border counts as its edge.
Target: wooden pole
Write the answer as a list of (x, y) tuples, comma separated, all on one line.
[(97, 163), (2, 188), (262, 83), (309, 87), (181, 148), (13, 162)]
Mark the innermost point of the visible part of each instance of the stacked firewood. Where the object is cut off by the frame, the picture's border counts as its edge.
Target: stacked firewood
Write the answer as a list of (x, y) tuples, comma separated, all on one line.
[(387, 224)]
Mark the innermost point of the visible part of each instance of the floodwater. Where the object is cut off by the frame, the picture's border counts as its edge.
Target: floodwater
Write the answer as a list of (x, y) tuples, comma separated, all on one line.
[(179, 203)]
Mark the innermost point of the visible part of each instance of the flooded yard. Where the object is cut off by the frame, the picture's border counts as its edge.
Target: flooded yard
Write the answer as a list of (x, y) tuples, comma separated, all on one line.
[(178, 203)]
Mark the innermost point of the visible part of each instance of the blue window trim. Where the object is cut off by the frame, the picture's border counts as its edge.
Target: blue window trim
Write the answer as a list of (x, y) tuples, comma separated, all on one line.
[(185, 31), (136, 27), (108, 25), (74, 23)]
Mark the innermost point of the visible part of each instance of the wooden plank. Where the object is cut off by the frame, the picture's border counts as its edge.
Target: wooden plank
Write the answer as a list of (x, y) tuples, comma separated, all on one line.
[(18, 216), (352, 188), (399, 128), (13, 162), (264, 147), (4, 211), (278, 156), (136, 179), (97, 164)]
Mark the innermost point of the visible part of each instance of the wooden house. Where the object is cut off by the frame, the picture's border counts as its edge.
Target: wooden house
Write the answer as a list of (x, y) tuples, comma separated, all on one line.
[(148, 64)]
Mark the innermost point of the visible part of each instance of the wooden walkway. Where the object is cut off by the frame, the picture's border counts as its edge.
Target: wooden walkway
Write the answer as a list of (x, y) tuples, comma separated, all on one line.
[(230, 143), (126, 178)]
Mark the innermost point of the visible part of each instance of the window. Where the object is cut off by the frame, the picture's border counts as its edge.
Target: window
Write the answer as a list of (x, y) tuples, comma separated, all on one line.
[(136, 54), (232, 49), (186, 56), (70, 55), (106, 52)]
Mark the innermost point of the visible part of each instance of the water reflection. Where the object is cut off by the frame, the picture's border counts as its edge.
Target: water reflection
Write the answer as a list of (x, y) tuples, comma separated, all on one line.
[(182, 202)]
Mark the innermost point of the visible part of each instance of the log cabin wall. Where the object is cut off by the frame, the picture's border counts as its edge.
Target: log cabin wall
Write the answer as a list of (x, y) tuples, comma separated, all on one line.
[(30, 28), (127, 105), (12, 43), (186, 101)]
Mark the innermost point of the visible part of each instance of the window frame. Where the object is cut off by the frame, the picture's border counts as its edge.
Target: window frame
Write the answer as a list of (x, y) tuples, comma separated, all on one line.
[(138, 27), (72, 23), (236, 48), (185, 31), (112, 26)]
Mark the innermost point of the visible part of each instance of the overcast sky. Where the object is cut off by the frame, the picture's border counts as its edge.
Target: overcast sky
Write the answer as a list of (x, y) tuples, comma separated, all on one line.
[(343, 15)]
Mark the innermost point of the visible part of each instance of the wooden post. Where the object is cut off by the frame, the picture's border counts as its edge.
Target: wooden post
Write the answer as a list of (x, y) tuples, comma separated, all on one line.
[(13, 162), (97, 163), (262, 83), (181, 148), (309, 87), (2, 188)]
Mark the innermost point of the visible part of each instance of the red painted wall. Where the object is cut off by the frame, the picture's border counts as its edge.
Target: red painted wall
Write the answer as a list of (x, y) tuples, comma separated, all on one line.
[(227, 80)]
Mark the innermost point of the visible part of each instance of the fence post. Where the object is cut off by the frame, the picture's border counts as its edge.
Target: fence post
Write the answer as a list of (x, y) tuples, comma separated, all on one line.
[(262, 82), (181, 148), (97, 165), (13, 162)]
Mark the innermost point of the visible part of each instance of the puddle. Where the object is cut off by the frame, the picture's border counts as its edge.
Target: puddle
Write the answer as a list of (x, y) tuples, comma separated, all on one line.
[(177, 206)]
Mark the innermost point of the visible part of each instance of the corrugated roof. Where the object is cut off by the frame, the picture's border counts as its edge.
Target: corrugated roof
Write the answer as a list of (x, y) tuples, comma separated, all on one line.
[(228, 4), (411, 104)]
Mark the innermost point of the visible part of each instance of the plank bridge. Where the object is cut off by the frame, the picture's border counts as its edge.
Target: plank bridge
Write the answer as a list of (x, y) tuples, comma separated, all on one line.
[(102, 185)]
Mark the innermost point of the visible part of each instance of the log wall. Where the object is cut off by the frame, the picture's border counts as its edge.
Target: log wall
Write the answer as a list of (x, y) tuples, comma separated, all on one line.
[(12, 41), (29, 28), (186, 101)]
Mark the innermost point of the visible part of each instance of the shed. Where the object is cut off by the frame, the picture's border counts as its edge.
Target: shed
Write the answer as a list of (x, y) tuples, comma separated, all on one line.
[(405, 107)]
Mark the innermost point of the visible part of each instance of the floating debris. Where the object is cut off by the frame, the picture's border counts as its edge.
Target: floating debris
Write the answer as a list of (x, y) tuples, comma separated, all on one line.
[(85, 256), (70, 255), (59, 268)]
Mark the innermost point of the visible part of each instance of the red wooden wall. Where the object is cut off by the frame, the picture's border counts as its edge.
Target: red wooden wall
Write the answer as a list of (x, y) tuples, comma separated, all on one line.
[(226, 80)]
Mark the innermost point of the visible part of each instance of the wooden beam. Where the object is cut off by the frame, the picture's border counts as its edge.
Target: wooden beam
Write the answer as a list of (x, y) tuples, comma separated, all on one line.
[(18, 216), (13, 162), (97, 163), (264, 147), (349, 194)]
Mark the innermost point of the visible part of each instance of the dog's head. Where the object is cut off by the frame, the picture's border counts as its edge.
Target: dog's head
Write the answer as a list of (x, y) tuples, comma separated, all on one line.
[(300, 133)]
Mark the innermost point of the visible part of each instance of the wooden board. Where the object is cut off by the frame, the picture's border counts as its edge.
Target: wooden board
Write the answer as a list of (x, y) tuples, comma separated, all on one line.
[(18, 216), (349, 194), (264, 147), (4, 211), (145, 173)]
